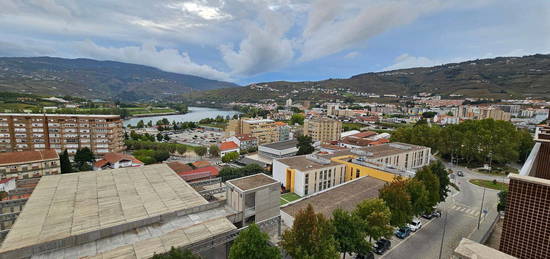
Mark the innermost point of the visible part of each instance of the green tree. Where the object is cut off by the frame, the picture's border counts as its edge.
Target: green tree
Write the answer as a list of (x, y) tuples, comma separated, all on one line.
[(438, 168), (176, 254), (305, 145), (231, 156), (200, 151), (161, 155), (349, 233), (526, 143), (166, 138), (214, 150), (297, 118), (375, 216), (181, 149), (160, 137), (252, 243), (83, 156), (419, 197), (431, 182), (502, 200), (398, 200), (140, 124), (65, 163), (311, 236)]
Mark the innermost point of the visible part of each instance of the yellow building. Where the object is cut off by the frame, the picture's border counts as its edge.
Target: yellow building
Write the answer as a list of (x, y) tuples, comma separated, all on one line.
[(265, 130), (323, 129)]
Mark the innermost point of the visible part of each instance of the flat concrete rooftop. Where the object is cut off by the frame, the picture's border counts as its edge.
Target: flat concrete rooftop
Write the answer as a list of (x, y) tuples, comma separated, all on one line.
[(253, 181), (82, 207), (345, 196), (282, 145), (303, 164)]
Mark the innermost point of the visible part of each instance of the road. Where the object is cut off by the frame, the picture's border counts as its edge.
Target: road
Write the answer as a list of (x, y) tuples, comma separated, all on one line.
[(462, 208)]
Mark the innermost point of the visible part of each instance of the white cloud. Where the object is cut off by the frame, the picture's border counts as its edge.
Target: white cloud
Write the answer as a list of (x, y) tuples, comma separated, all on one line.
[(265, 48), (407, 61), (171, 60), (352, 55)]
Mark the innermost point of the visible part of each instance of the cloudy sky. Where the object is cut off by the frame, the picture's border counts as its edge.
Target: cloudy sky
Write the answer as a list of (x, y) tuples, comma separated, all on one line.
[(246, 41)]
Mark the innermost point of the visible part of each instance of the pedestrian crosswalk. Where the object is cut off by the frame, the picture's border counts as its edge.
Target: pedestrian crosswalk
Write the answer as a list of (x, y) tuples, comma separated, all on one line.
[(466, 210)]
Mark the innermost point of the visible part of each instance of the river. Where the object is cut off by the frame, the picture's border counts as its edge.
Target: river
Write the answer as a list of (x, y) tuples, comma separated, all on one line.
[(194, 114)]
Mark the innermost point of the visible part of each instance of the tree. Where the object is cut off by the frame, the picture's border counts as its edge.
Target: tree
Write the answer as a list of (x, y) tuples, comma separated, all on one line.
[(200, 151), (431, 182), (297, 118), (231, 156), (166, 138), (140, 124), (502, 200), (305, 145), (419, 197), (160, 137), (83, 156), (65, 163), (176, 254), (311, 236), (349, 233), (398, 200), (253, 243), (440, 171), (214, 150), (375, 216), (161, 155), (181, 149)]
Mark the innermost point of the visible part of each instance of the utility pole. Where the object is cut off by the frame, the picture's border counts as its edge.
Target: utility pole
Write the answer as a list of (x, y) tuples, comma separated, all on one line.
[(481, 209), (444, 229)]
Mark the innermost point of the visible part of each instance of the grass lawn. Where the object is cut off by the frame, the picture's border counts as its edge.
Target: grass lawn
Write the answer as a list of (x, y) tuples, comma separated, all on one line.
[(140, 111), (353, 126), (215, 125), (500, 186), (289, 197)]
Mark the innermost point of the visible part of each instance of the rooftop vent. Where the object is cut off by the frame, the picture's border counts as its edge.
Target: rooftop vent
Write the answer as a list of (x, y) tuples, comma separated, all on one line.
[(400, 146)]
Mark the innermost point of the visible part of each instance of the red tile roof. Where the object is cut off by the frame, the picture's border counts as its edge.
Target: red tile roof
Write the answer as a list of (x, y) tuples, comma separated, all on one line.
[(364, 134), (228, 145), (111, 158), (245, 137), (27, 156), (2, 181), (179, 167), (200, 173), (201, 164)]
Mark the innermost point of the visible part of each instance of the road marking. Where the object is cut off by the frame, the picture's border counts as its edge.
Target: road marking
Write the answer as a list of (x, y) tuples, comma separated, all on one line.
[(403, 240)]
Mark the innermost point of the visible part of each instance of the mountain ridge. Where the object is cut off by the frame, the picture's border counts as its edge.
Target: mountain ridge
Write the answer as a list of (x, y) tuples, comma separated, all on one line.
[(102, 79)]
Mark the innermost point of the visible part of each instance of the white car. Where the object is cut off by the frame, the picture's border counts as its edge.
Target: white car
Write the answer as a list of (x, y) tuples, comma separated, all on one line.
[(415, 225)]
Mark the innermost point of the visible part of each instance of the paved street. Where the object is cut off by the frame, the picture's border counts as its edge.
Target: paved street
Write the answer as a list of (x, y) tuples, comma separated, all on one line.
[(463, 210)]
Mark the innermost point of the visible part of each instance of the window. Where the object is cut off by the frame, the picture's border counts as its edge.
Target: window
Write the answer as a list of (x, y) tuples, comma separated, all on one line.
[(357, 173)]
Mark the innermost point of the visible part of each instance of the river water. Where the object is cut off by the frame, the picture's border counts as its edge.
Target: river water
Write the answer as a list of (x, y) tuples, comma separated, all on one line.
[(194, 114)]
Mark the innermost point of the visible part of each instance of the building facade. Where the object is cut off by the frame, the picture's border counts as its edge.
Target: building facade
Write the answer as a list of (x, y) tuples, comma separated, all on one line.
[(28, 132), (116, 160), (28, 164), (244, 141), (525, 230), (264, 130), (323, 129), (308, 174), (481, 113)]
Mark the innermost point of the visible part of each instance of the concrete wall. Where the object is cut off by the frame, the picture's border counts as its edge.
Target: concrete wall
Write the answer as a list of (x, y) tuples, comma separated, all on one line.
[(279, 171), (268, 202)]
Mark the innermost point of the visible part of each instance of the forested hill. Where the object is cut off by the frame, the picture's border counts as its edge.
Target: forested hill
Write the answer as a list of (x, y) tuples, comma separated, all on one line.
[(96, 79), (503, 77)]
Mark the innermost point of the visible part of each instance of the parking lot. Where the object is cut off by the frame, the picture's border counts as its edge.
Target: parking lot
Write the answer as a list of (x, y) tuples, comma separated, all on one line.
[(198, 137)]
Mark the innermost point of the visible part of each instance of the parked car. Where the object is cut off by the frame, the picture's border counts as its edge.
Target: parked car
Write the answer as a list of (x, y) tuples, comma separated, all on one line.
[(434, 214), (403, 232), (460, 173), (415, 225), (381, 246), (369, 255)]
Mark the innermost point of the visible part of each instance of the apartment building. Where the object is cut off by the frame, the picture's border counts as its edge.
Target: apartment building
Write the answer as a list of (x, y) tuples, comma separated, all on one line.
[(244, 141), (27, 132), (481, 113), (525, 230), (308, 174), (323, 129), (28, 164), (265, 130)]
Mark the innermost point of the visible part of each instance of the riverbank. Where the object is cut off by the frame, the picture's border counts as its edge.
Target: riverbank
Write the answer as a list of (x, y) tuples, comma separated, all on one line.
[(194, 114), (141, 115)]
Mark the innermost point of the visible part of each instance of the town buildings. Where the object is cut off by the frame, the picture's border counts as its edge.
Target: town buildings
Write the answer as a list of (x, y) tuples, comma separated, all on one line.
[(244, 141), (197, 171), (28, 164), (279, 149), (228, 147), (27, 132), (482, 112), (265, 130), (322, 129), (135, 213), (525, 230), (116, 160)]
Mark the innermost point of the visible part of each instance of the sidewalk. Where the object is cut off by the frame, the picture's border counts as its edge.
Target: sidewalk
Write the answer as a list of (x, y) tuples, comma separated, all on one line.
[(486, 227)]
